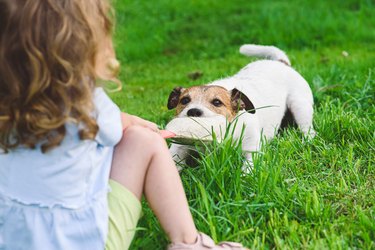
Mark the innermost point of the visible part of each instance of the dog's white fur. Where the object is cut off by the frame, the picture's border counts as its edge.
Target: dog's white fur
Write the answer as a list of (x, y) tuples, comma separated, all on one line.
[(273, 86)]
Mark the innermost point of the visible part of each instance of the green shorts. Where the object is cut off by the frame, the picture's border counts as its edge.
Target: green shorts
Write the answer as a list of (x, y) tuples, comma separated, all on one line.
[(124, 212)]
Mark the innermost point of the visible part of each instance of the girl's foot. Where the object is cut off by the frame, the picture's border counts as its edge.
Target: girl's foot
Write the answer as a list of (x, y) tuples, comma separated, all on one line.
[(206, 243)]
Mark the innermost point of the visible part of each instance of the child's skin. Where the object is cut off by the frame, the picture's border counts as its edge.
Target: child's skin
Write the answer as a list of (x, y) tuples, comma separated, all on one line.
[(149, 170)]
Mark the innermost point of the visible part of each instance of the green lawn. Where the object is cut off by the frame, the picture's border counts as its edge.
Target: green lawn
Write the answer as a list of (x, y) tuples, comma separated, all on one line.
[(302, 195)]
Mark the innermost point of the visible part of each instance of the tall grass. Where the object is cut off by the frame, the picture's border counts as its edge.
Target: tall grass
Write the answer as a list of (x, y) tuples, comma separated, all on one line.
[(301, 195)]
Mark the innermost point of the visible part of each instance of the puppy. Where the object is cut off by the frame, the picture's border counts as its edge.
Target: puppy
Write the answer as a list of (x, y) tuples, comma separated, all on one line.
[(264, 96)]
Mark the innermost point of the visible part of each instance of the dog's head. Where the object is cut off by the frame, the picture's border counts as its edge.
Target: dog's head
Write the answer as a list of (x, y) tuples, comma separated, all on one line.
[(208, 101)]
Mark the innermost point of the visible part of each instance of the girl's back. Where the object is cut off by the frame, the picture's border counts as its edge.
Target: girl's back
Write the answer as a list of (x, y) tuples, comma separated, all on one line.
[(57, 130)]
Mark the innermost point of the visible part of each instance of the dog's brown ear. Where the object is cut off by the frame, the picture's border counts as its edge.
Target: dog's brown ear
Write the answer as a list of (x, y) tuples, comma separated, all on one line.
[(174, 96), (240, 101)]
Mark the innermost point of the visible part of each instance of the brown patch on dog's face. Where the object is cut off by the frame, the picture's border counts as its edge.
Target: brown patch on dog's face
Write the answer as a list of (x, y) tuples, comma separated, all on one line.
[(208, 100), (216, 99)]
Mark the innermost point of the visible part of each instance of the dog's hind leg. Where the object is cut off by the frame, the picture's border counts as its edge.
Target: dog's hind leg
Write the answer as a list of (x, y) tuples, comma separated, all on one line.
[(302, 111)]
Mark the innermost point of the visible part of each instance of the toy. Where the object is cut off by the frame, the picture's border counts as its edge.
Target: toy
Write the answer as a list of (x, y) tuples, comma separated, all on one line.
[(189, 130)]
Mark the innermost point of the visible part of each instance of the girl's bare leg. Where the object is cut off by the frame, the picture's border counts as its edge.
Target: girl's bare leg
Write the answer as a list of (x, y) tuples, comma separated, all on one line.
[(142, 164)]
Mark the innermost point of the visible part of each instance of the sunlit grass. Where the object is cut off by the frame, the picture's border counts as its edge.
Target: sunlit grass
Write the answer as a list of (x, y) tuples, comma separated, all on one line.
[(301, 195)]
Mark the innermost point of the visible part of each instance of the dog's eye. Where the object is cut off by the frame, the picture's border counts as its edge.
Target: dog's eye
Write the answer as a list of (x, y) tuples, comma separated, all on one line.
[(217, 102), (185, 100)]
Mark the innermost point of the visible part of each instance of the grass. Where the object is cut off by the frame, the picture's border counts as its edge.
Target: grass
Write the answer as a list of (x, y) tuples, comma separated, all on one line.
[(302, 195)]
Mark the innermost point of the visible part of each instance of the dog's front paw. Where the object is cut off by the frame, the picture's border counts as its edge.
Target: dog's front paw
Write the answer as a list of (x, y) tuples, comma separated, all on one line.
[(309, 135), (248, 166)]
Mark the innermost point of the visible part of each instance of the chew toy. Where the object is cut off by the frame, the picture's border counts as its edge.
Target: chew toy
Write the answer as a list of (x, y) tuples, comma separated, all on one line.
[(189, 130)]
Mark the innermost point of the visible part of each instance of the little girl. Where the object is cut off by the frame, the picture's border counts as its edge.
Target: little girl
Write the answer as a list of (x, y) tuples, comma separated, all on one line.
[(73, 168)]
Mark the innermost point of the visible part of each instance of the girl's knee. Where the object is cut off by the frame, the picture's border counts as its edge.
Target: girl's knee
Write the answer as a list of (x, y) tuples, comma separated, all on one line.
[(136, 135), (137, 147)]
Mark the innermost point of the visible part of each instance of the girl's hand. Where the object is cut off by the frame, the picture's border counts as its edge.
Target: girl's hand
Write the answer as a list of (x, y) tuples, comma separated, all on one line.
[(131, 120)]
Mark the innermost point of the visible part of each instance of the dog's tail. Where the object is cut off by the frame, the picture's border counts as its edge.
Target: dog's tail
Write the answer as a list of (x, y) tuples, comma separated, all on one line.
[(269, 52)]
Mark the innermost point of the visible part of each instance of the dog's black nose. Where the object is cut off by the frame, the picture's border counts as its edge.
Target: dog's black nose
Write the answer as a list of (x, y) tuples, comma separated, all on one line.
[(195, 112)]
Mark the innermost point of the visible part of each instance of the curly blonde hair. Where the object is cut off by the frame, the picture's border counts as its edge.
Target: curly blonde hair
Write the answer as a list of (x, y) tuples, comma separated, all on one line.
[(48, 55)]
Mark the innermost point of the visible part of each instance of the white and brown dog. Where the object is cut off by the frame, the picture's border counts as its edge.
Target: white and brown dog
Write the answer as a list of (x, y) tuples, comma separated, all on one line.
[(264, 96)]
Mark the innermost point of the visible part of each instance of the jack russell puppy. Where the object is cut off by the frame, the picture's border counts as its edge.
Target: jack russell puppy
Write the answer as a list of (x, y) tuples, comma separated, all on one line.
[(264, 96)]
